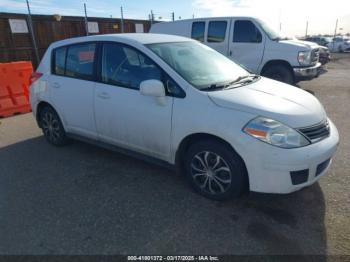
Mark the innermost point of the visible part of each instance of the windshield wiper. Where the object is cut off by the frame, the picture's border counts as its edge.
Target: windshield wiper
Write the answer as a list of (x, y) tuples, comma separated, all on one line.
[(227, 85), (217, 86), (281, 38), (242, 79)]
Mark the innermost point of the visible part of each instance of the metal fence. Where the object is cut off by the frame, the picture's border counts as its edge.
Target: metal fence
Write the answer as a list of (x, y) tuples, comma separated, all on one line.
[(17, 45)]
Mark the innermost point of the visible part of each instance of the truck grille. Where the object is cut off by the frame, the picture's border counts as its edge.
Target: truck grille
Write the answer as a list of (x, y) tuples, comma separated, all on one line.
[(317, 132), (315, 54)]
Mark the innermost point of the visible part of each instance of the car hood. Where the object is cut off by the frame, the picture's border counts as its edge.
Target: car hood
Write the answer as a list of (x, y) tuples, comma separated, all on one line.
[(276, 100), (299, 43)]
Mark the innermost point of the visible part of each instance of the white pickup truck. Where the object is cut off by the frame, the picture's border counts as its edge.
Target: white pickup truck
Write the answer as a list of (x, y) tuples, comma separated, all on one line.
[(251, 43)]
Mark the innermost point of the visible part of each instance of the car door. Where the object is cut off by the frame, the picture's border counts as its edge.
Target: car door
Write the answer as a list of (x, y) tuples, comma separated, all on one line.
[(123, 115), (217, 35), (72, 87), (247, 44)]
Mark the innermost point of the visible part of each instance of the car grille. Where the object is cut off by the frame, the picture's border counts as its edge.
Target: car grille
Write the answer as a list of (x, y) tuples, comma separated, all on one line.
[(315, 54), (317, 132)]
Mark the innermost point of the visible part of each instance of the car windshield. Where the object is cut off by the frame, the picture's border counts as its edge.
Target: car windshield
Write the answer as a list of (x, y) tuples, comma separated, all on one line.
[(198, 64)]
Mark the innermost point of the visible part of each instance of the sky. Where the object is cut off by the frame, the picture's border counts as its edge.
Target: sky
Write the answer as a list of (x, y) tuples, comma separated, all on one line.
[(291, 16)]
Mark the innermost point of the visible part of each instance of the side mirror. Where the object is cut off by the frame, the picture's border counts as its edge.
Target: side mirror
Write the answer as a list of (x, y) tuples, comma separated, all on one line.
[(152, 87)]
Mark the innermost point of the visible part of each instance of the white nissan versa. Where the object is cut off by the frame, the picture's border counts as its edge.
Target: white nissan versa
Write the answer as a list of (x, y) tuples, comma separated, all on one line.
[(178, 101)]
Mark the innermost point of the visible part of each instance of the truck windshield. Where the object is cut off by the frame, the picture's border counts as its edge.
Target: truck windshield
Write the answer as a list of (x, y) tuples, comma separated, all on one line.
[(271, 33), (201, 66)]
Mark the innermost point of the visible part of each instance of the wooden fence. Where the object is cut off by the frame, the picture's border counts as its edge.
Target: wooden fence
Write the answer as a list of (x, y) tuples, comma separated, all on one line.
[(47, 29)]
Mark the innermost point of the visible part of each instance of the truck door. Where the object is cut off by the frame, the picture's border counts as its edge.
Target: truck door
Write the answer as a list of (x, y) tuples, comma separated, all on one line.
[(246, 44), (218, 35)]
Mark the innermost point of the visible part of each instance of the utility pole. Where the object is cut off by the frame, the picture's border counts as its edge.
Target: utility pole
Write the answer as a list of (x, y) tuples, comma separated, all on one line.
[(307, 27), (336, 26), (173, 16), (86, 21), (30, 22), (152, 17), (279, 19), (122, 19), (335, 33)]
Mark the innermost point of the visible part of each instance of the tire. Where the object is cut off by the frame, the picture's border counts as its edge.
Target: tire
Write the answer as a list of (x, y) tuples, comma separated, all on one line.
[(280, 73), (225, 175), (52, 127), (340, 49)]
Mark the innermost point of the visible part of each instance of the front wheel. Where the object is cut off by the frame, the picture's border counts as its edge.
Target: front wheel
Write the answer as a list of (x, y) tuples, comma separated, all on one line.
[(215, 171), (280, 73)]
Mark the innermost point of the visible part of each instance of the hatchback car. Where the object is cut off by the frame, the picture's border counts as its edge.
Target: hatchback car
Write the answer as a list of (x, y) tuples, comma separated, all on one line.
[(175, 100)]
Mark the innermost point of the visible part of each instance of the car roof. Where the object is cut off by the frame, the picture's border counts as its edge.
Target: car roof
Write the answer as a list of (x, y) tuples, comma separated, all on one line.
[(140, 38), (212, 18)]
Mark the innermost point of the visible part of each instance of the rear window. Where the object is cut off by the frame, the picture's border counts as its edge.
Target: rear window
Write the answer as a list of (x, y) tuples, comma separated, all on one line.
[(198, 31), (75, 61), (59, 61), (80, 61), (217, 31)]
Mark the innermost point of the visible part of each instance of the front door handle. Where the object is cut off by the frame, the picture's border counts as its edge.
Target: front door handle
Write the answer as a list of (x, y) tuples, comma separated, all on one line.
[(104, 95), (56, 85)]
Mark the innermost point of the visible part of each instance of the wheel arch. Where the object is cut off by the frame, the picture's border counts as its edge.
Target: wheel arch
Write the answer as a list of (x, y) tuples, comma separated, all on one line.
[(40, 106), (277, 62), (189, 140)]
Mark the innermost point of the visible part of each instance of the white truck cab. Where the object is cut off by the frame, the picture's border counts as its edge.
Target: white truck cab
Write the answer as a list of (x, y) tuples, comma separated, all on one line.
[(251, 43)]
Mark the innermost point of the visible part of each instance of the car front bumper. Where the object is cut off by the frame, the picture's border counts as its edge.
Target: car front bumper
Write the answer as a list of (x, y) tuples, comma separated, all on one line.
[(277, 170), (306, 73)]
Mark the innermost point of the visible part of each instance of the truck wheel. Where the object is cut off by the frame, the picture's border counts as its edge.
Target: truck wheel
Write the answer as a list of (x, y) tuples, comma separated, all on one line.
[(214, 170), (280, 73)]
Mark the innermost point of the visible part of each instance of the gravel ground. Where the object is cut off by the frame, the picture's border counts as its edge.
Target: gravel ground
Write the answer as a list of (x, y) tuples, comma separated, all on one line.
[(81, 199)]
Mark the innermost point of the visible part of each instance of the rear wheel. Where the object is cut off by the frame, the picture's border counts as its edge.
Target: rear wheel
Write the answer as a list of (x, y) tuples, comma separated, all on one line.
[(280, 73), (214, 170), (52, 127)]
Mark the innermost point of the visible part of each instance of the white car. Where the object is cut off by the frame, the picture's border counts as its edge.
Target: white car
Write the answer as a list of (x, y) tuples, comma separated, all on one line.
[(339, 44), (253, 44), (182, 103)]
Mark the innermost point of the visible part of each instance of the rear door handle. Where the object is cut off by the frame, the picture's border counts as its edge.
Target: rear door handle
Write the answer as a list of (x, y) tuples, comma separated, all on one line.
[(104, 95), (56, 85)]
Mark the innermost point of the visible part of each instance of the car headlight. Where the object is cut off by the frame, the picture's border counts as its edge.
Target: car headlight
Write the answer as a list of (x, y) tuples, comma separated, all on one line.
[(304, 57), (275, 133)]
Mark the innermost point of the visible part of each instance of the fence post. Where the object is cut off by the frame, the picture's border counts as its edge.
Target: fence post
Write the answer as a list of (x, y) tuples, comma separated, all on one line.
[(86, 21), (121, 19), (152, 17), (30, 22)]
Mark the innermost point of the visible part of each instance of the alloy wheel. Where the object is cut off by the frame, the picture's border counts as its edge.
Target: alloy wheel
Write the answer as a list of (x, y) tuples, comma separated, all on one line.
[(50, 126), (211, 173)]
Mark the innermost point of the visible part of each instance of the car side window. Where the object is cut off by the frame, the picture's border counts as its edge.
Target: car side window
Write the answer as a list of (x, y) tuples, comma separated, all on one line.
[(126, 67), (217, 31), (246, 32), (197, 32), (59, 60), (80, 61)]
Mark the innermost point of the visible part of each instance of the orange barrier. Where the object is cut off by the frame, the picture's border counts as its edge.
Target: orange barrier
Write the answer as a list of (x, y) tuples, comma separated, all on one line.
[(14, 88)]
